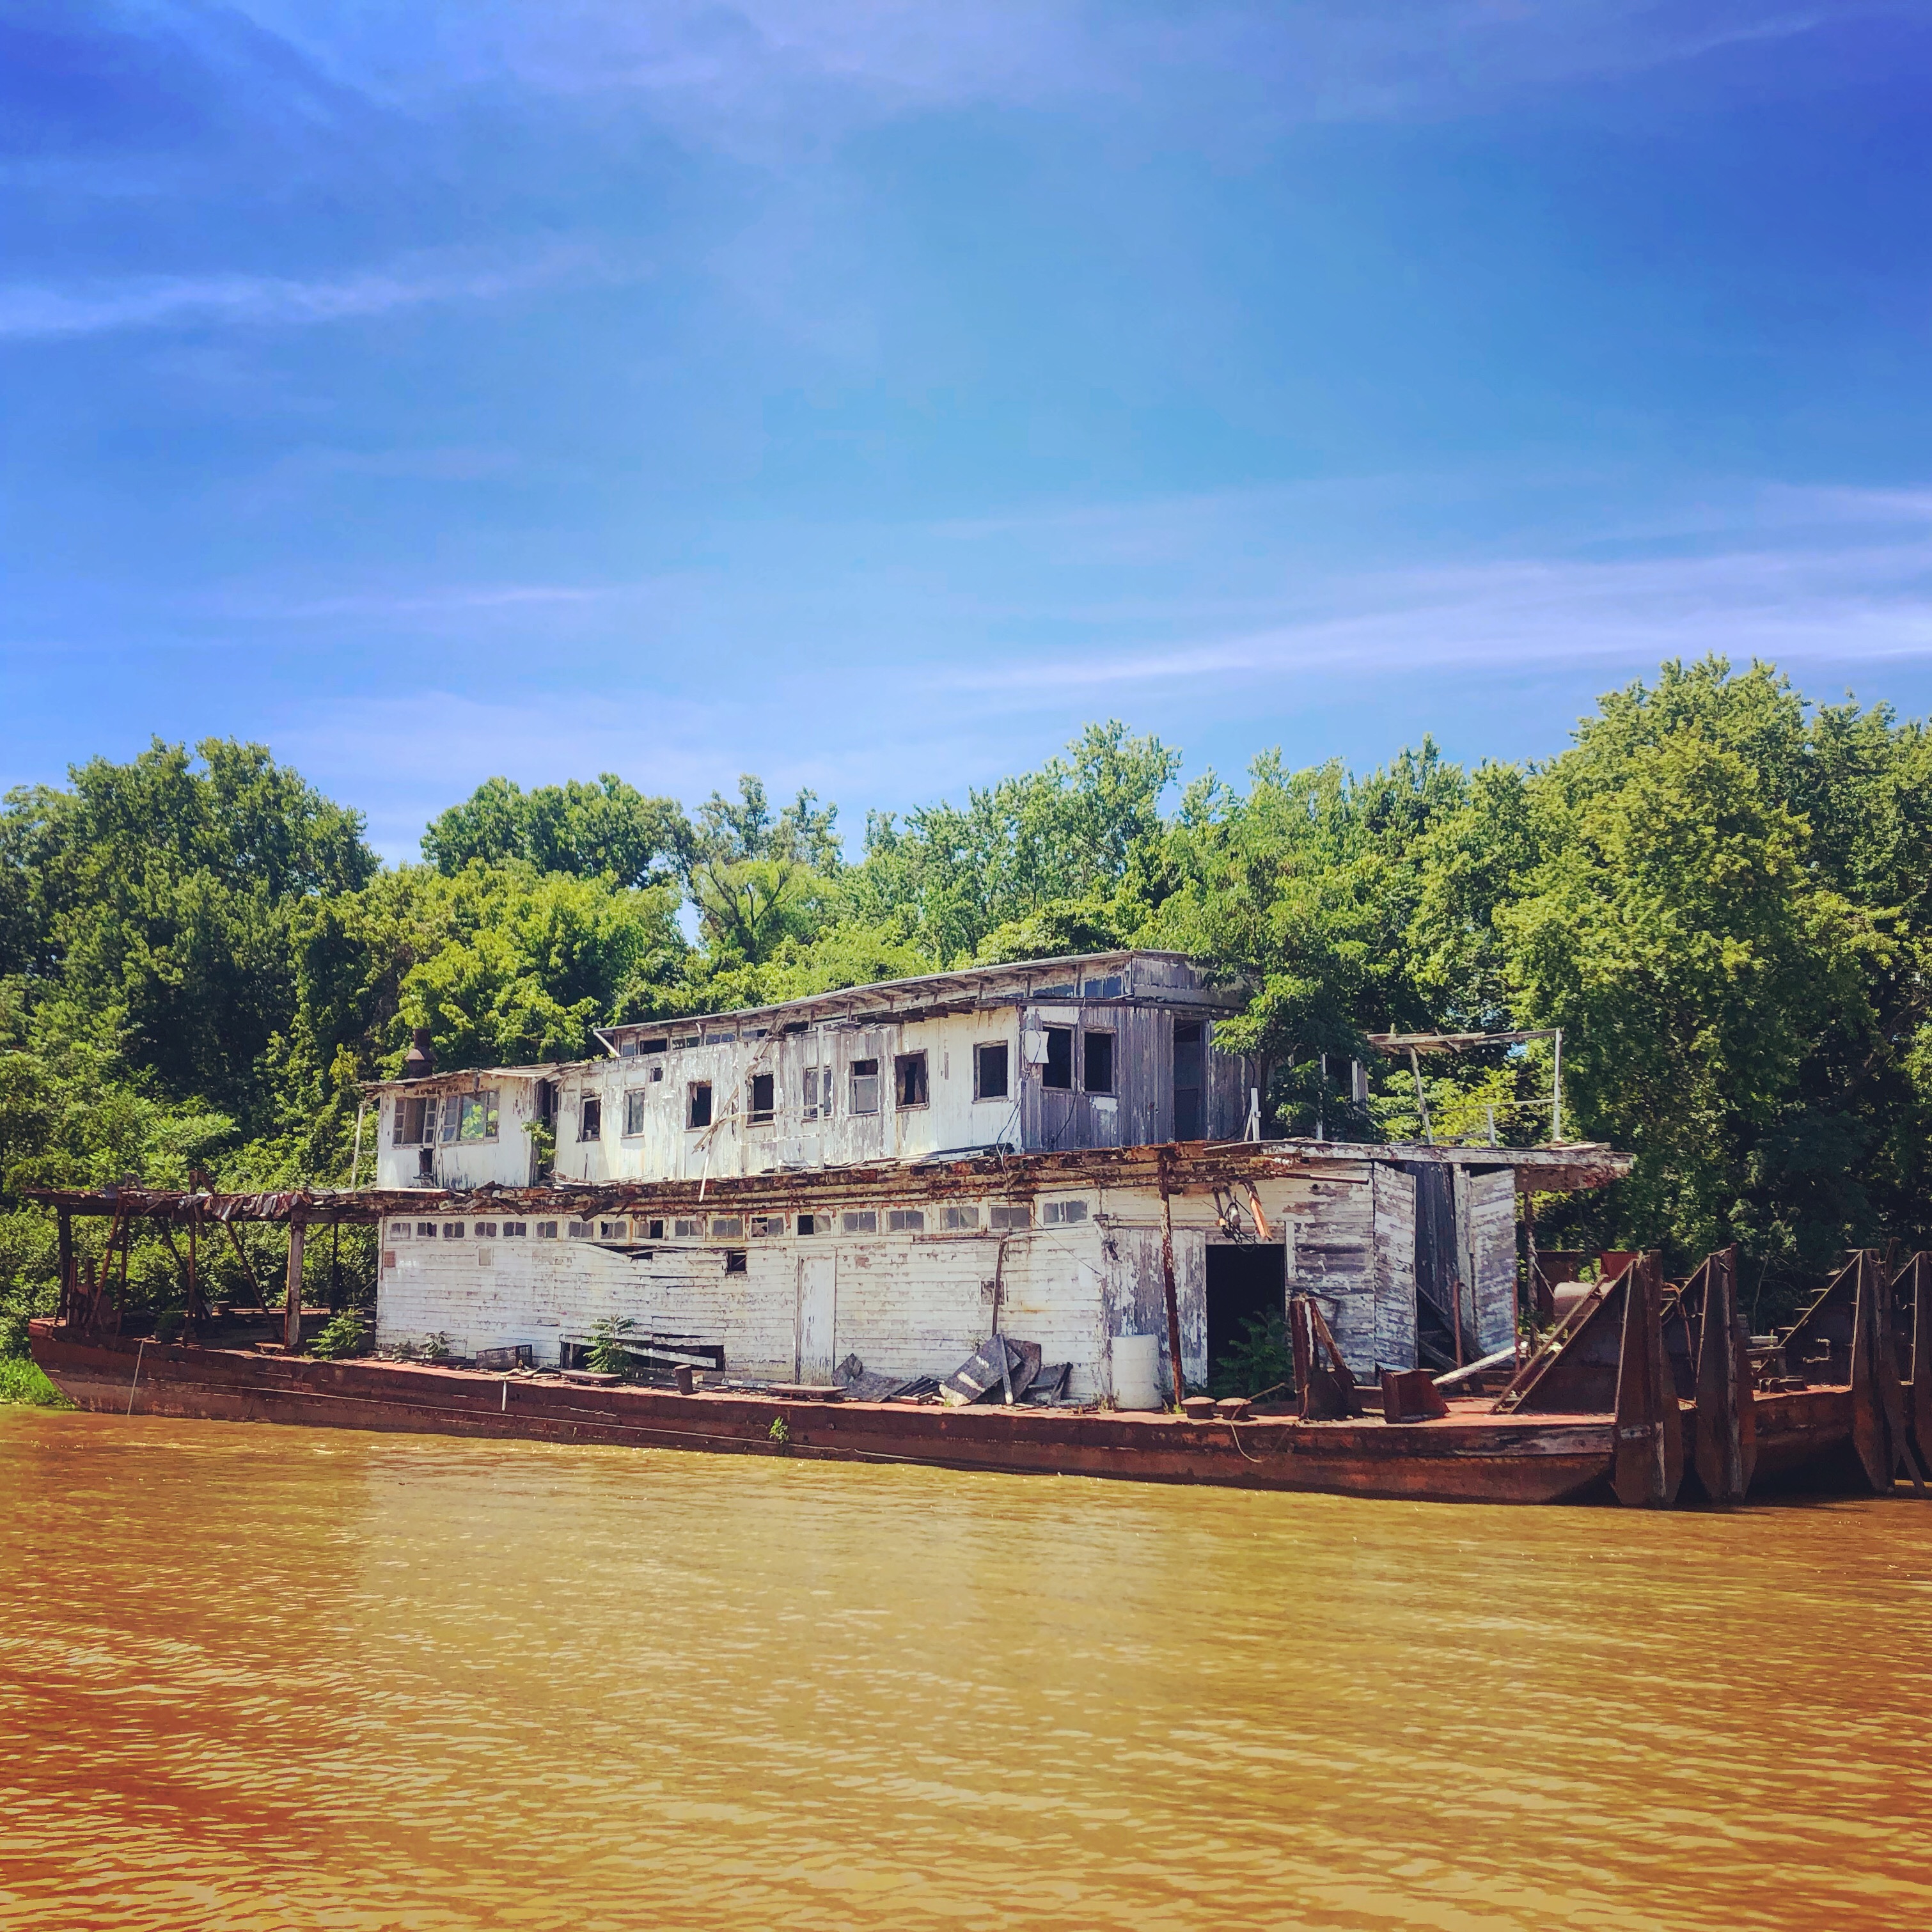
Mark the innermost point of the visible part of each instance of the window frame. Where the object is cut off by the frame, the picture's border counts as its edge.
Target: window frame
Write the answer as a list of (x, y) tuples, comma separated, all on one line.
[(1087, 1043), (862, 1082), (755, 1114), (635, 1100), (589, 1118), (914, 1064), (981, 1049), (1061, 1063)]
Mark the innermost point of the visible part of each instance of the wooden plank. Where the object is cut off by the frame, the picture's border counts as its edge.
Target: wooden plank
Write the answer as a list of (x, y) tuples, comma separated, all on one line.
[(292, 1307)]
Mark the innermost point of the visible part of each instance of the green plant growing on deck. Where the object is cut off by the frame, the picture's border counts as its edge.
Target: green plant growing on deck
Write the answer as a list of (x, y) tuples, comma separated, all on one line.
[(608, 1354), (344, 1334), (1262, 1359), (21, 1384), (780, 1431)]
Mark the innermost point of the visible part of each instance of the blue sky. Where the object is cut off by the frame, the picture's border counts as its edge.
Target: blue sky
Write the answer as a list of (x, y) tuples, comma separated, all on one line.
[(868, 395)]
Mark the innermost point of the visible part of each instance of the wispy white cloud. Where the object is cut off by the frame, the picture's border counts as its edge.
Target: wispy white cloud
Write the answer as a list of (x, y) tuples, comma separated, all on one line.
[(1814, 603), (29, 311)]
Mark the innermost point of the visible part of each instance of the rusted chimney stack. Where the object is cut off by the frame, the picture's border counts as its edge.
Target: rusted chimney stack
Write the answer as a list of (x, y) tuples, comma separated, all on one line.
[(419, 1063)]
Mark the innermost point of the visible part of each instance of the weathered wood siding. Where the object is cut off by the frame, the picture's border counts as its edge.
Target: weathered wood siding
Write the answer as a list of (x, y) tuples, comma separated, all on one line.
[(1394, 1269), (508, 1160), (1490, 1215)]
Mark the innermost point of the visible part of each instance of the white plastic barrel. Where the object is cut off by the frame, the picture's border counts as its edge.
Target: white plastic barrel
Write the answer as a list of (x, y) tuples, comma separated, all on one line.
[(1137, 1371)]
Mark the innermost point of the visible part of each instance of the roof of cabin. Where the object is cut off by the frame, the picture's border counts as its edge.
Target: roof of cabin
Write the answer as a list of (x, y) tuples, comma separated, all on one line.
[(965, 985)]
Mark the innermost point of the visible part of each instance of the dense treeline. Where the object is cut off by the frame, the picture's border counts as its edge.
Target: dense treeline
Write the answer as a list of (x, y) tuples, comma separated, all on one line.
[(1718, 891)]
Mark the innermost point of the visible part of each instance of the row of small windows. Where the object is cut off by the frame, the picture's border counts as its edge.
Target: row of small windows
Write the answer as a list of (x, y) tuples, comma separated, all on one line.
[(992, 1080), (447, 1117), (954, 1217)]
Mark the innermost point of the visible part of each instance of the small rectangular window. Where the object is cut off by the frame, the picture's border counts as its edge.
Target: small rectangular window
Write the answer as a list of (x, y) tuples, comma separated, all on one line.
[(628, 1050), (515, 1231), (579, 1230), (452, 1230), (1009, 1214), (861, 1221), (425, 1230), (865, 1086), (1097, 1070), (409, 1129), (546, 1230), (476, 1116), (989, 1070), (817, 1094), (486, 1231), (734, 1261), (652, 1046), (905, 1220), (633, 1112), (727, 1227), (399, 1231), (686, 1231), (768, 1224), (642, 1230), (909, 1080), (814, 1224), (1109, 988), (962, 1215), (1062, 1214), (764, 1091), (698, 1106), (1058, 1070), (590, 1122), (612, 1231), (657, 1074)]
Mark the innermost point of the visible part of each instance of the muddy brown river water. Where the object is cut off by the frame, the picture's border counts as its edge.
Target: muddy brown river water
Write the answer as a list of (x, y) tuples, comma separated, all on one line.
[(270, 1678)]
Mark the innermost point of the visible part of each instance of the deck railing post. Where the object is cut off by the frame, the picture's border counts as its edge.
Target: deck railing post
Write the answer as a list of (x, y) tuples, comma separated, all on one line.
[(291, 1305)]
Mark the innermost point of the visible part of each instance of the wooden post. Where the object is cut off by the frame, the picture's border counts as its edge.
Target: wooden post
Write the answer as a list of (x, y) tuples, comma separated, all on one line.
[(69, 1288), (1167, 1285), (292, 1307), (1726, 1413)]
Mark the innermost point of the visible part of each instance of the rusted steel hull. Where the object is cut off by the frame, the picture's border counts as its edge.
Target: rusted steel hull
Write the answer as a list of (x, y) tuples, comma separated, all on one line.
[(1469, 1456), (1804, 1433)]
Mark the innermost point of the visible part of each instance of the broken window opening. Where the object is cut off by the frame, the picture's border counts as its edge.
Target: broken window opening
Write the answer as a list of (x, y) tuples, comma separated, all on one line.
[(909, 1080), (698, 1108), (590, 1120), (735, 1262), (764, 1091), (1058, 1070), (1097, 1070), (1189, 1059), (989, 1070)]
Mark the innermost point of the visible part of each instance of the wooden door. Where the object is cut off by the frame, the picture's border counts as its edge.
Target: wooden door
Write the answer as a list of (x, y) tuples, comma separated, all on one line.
[(817, 1294)]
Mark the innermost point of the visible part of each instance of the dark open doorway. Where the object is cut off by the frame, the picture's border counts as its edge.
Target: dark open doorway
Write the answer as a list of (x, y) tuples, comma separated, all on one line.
[(1246, 1281)]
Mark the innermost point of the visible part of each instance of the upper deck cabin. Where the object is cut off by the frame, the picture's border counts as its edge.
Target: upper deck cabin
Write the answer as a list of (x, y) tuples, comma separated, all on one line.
[(1096, 1050)]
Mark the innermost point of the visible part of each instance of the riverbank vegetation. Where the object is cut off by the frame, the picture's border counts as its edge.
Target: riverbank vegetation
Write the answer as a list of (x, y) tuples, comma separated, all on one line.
[(1717, 890)]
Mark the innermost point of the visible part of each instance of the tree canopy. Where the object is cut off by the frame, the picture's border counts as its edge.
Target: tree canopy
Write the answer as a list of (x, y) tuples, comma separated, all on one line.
[(1717, 890)]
